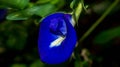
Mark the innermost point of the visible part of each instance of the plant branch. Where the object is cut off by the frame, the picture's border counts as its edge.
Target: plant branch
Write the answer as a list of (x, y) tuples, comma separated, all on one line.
[(88, 32)]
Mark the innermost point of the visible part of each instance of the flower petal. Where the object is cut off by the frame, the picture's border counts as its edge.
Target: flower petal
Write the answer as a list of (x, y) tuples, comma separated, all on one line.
[(55, 48)]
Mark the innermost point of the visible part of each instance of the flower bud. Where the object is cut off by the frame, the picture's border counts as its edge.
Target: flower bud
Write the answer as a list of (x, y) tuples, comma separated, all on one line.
[(57, 38)]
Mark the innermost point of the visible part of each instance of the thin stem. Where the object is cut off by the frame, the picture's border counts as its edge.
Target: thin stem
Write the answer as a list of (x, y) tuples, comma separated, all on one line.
[(99, 21)]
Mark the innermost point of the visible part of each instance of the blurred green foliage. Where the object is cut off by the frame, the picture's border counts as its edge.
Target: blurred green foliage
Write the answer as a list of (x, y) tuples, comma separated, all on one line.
[(107, 36), (39, 8), (13, 35), (81, 64), (19, 4), (18, 65), (17, 16)]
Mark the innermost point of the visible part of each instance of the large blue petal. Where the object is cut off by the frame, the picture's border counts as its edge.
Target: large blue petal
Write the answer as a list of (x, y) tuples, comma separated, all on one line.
[(61, 53)]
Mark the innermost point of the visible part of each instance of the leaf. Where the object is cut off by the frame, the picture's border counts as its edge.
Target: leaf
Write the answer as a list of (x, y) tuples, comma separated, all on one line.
[(57, 3), (41, 11), (21, 15), (20, 4), (50, 7), (42, 1), (107, 36), (45, 9)]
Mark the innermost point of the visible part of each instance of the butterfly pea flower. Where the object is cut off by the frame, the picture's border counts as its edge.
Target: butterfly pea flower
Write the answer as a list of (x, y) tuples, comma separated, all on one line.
[(57, 38), (2, 13)]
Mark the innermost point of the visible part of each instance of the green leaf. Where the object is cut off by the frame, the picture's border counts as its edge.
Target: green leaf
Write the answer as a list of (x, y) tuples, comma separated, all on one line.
[(107, 36), (50, 7), (42, 1), (21, 15), (45, 9), (18, 65), (37, 63), (41, 11), (57, 3), (20, 4)]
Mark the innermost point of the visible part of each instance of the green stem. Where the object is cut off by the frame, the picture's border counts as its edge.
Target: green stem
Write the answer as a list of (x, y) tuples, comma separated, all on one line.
[(98, 21)]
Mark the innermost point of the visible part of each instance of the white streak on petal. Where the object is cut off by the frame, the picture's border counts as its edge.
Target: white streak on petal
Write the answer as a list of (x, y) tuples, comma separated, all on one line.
[(56, 42)]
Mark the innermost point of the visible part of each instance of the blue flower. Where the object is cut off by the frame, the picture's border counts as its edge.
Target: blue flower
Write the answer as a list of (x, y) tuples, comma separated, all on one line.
[(2, 13), (57, 38)]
